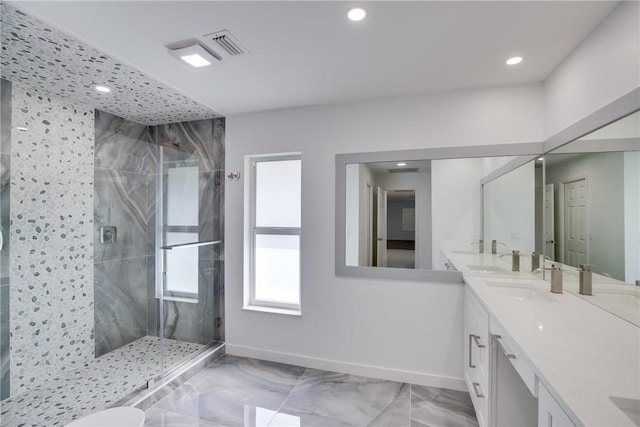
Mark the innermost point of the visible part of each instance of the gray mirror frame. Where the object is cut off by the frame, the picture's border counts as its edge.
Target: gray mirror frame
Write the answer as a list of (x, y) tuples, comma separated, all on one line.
[(341, 269)]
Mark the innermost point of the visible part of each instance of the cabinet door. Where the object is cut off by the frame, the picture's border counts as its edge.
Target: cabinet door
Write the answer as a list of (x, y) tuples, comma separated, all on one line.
[(477, 356), (550, 414)]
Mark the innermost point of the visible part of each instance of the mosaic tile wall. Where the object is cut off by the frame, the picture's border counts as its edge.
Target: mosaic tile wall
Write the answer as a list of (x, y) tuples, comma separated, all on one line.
[(51, 292)]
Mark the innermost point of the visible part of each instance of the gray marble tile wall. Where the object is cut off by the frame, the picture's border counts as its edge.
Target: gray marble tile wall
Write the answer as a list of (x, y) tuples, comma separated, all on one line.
[(202, 143), (51, 237), (124, 159), (5, 168), (126, 175)]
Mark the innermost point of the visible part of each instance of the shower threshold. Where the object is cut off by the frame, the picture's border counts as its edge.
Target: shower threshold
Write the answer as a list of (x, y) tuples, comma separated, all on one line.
[(99, 384)]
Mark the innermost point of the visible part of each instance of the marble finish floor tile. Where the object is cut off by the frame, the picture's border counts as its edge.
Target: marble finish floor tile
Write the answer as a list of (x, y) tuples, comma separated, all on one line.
[(96, 386), (228, 390), (155, 417), (441, 407), (236, 391), (324, 398)]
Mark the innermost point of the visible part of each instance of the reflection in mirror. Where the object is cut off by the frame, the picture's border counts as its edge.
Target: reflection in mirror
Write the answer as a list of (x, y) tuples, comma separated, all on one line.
[(593, 213), (512, 210), (401, 214), (388, 209)]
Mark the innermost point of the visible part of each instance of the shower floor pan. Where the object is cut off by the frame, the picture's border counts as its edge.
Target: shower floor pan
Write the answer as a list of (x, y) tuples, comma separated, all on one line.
[(96, 386)]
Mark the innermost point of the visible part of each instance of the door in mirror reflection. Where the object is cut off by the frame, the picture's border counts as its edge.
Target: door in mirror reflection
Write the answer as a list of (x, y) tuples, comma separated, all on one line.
[(384, 206), (594, 199), (400, 236)]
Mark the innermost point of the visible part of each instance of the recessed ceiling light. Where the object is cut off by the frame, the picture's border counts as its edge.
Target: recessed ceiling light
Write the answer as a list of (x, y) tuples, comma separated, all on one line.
[(401, 164), (515, 60), (541, 158), (357, 14), (101, 88), (195, 55), (22, 128)]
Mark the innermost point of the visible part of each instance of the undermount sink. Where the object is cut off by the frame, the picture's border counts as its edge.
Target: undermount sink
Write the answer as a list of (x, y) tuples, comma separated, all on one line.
[(630, 407), (465, 252), (487, 269), (519, 291)]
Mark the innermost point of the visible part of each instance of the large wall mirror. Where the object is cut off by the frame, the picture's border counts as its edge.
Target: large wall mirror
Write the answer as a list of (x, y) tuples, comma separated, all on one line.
[(397, 212), (592, 214), (512, 206)]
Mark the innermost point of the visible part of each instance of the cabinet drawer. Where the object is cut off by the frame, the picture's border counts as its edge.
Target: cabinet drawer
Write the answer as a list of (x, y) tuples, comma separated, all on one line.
[(479, 393), (550, 414), (522, 365)]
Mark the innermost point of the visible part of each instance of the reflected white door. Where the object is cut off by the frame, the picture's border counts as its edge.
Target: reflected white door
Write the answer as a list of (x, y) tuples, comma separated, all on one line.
[(575, 218), (381, 228), (549, 222)]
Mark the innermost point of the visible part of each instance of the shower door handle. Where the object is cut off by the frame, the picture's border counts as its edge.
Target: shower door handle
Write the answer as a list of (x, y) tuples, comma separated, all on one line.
[(1, 240)]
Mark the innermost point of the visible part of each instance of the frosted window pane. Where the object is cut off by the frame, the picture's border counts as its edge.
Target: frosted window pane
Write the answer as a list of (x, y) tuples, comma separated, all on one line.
[(182, 264), (277, 268), (182, 195), (278, 190)]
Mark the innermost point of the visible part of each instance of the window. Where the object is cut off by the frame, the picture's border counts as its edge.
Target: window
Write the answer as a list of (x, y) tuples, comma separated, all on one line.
[(274, 230), (180, 209)]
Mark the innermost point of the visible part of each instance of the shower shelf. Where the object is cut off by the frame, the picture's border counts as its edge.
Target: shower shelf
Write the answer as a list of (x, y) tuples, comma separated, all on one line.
[(190, 245)]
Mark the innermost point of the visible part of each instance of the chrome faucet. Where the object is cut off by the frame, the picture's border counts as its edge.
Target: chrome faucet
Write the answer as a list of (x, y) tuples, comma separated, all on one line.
[(480, 243), (556, 278), (515, 261), (586, 280), (535, 261), (494, 246)]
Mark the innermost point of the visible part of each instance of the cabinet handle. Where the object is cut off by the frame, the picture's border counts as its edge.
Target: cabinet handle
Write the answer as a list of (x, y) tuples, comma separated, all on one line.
[(471, 365), (476, 338), (506, 353), (476, 389)]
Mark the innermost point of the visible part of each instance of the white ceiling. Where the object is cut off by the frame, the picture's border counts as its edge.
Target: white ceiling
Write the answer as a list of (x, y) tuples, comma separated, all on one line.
[(308, 53)]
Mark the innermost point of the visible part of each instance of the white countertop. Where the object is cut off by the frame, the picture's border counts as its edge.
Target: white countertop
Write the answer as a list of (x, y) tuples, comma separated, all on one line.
[(581, 353)]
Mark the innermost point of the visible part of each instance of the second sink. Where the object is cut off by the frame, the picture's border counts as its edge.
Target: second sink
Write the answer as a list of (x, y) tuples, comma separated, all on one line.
[(519, 291)]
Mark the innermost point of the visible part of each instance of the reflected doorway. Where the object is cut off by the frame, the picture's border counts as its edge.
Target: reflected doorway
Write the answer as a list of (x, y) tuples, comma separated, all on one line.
[(395, 228)]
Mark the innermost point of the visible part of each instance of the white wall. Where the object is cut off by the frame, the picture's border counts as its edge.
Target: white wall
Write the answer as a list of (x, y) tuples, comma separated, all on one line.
[(391, 329), (352, 219), (604, 67), (509, 209), (632, 216), (456, 205)]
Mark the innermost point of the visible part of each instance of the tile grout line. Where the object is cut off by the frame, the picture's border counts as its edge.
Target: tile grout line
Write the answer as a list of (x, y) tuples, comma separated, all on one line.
[(288, 396), (410, 400)]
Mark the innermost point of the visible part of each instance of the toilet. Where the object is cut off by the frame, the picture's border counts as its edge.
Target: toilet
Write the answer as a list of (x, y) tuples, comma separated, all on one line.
[(123, 416)]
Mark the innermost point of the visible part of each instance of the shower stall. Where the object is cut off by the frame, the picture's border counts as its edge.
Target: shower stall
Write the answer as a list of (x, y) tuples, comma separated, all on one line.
[(111, 254)]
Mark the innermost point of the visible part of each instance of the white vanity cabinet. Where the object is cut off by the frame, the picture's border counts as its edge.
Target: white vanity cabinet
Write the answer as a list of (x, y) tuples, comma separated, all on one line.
[(476, 370), (502, 381), (550, 414)]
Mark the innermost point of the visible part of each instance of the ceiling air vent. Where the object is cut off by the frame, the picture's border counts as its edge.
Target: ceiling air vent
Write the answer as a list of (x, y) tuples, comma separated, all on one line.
[(225, 44)]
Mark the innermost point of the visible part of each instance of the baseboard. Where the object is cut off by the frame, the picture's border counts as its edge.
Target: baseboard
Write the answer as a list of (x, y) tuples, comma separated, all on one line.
[(349, 368)]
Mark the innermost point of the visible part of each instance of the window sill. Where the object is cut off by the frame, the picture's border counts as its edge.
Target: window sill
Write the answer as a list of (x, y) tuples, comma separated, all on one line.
[(273, 310)]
